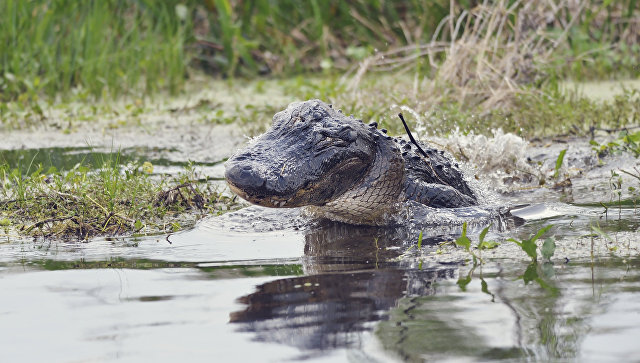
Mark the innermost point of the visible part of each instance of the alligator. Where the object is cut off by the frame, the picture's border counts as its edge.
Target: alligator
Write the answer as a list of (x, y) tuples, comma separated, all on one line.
[(342, 169)]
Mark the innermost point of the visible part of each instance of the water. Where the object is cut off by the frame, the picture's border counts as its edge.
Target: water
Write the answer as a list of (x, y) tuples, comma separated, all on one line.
[(264, 286), (164, 160), (317, 305)]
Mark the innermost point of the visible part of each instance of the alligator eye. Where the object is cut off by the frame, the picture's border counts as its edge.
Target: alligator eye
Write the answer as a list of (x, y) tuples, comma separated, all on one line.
[(325, 142)]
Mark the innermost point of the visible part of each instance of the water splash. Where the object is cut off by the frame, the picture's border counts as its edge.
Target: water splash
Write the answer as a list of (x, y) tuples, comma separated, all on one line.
[(499, 162)]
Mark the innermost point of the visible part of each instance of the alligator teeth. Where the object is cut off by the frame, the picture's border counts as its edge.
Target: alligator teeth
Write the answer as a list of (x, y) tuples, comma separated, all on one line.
[(283, 203)]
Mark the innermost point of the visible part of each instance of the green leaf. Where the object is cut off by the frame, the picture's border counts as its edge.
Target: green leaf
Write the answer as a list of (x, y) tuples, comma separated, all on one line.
[(420, 240), (515, 241), (547, 270), (463, 240), (483, 234), (541, 232), (548, 248), (487, 245), (482, 244), (601, 233), (4, 222), (463, 282), (559, 161), (529, 246), (137, 225)]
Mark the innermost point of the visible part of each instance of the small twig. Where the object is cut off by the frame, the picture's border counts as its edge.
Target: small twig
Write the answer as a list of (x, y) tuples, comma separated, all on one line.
[(615, 130), (5, 202), (48, 220), (126, 219), (631, 174), (104, 226)]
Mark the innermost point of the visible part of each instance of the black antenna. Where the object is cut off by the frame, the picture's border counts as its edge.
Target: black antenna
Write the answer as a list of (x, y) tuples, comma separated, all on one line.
[(406, 128)]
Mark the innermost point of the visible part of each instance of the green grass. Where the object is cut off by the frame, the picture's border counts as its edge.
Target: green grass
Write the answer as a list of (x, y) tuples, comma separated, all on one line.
[(101, 47), (125, 47)]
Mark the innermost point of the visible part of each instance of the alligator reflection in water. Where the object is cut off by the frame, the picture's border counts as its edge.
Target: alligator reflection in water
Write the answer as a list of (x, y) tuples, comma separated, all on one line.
[(329, 310), (351, 282), (353, 277)]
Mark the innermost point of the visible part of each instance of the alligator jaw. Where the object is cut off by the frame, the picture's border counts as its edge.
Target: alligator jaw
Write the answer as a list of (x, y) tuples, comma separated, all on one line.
[(271, 202)]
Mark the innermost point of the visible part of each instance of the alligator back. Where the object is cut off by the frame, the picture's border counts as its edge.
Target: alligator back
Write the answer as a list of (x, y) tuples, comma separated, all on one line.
[(434, 179)]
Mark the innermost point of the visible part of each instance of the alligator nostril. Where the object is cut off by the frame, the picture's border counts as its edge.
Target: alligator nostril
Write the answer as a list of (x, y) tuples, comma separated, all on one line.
[(246, 167)]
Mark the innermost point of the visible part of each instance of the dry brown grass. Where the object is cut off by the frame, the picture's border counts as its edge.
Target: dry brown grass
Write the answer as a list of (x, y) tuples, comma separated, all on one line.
[(493, 53)]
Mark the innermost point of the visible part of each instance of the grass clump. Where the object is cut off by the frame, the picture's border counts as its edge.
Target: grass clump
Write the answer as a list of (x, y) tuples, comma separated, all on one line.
[(113, 199), (627, 141)]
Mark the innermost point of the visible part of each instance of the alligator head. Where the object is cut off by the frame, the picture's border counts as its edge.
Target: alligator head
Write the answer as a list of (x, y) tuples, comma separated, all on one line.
[(311, 156)]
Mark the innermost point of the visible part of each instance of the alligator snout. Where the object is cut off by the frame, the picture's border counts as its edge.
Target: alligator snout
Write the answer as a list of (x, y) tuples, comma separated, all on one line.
[(244, 177), (254, 179)]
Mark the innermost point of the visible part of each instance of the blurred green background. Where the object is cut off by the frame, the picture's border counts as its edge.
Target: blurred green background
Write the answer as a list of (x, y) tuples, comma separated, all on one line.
[(111, 47)]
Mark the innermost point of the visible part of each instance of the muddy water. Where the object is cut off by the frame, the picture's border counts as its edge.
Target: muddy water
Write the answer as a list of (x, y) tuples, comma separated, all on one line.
[(266, 285)]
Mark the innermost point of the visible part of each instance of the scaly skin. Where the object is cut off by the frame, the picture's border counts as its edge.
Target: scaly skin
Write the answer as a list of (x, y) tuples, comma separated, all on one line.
[(341, 169)]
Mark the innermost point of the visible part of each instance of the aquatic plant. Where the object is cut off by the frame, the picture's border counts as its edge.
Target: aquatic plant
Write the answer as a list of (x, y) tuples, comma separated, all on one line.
[(625, 142), (529, 245), (464, 241), (111, 199), (559, 162), (538, 273)]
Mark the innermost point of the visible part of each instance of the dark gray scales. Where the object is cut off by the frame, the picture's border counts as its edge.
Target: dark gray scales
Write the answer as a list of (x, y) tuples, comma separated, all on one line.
[(434, 179), (342, 169)]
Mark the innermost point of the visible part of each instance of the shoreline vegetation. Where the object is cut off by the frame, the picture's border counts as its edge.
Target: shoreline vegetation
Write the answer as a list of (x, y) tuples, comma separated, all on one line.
[(462, 65), (501, 63), (105, 197)]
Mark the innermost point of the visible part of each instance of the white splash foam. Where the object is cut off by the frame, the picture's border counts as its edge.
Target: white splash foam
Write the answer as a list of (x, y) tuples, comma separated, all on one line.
[(493, 161)]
